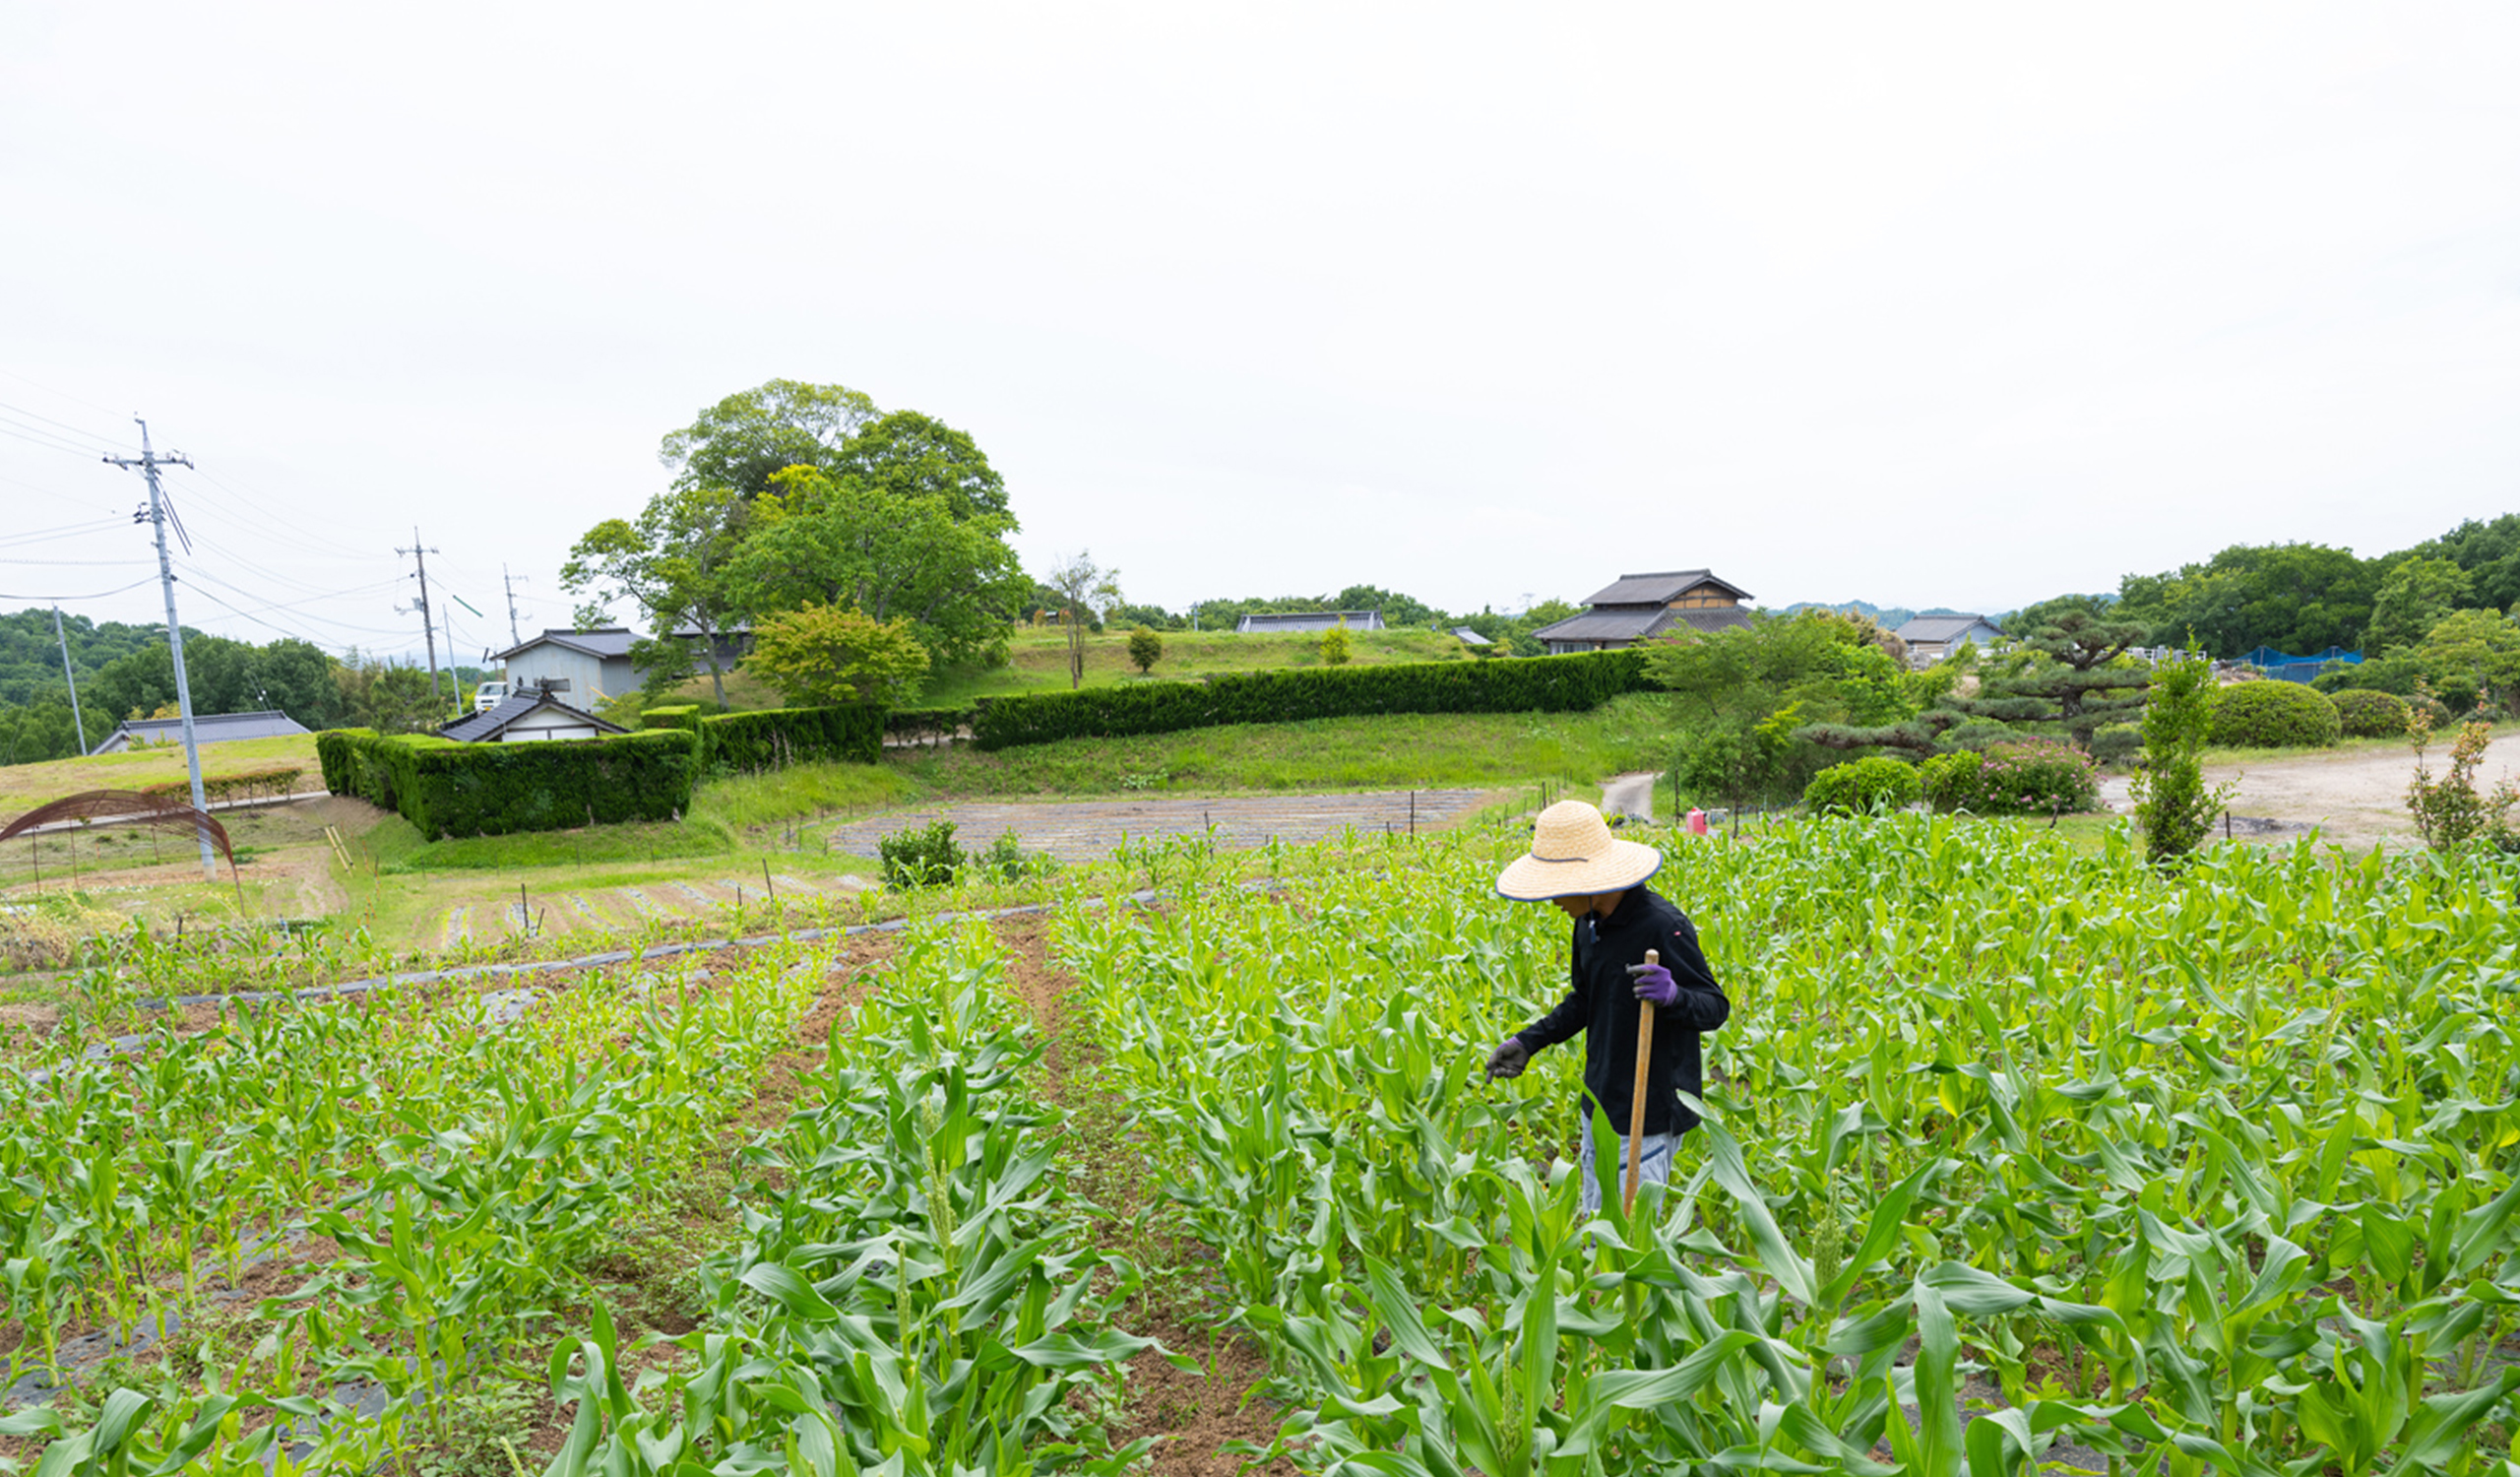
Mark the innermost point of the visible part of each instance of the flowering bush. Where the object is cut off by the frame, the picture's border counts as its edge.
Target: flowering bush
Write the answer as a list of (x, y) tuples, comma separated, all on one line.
[(2030, 776)]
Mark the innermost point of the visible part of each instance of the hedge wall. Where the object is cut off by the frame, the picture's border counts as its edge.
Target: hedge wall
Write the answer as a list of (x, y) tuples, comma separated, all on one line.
[(772, 737), (1550, 684), (450, 788), (684, 716)]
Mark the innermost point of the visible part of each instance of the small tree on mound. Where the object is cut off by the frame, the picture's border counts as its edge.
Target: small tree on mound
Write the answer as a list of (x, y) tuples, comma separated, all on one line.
[(1334, 646), (831, 654), (1146, 647)]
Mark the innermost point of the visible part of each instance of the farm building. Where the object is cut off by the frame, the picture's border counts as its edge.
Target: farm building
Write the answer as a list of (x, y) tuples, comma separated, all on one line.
[(1930, 638), (210, 727), (1306, 622), (590, 666), (1640, 607), (534, 715)]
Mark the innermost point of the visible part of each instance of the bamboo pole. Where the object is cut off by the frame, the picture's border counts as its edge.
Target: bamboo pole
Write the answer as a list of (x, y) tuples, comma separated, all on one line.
[(1636, 1097)]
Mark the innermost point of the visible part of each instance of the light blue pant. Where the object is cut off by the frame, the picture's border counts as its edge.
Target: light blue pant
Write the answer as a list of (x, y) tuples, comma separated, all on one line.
[(1654, 1165)]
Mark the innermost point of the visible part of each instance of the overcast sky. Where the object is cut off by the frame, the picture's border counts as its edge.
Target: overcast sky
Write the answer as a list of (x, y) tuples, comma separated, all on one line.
[(1922, 305)]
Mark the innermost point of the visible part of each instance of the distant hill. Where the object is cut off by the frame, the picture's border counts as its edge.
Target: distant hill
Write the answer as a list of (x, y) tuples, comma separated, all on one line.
[(1888, 617)]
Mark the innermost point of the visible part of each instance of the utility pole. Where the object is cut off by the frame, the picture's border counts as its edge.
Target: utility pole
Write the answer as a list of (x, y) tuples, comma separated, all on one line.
[(426, 627), (148, 462), (515, 636), (453, 679), (76, 726)]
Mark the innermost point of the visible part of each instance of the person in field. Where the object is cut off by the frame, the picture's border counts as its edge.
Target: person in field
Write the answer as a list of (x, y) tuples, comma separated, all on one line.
[(1599, 881)]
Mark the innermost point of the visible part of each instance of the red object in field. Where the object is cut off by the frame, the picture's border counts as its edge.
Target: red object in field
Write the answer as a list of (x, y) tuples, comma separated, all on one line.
[(1697, 822)]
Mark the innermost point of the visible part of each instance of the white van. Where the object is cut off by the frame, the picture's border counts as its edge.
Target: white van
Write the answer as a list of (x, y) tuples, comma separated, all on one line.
[(489, 695)]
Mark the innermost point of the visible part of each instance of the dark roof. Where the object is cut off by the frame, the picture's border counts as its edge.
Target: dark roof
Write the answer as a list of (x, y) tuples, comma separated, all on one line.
[(213, 728), (1713, 618), (481, 728), (1660, 589), (1467, 637), (1606, 626), (608, 641), (1941, 627)]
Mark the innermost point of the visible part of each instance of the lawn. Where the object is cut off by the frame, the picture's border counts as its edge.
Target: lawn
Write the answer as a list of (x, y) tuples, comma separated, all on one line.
[(23, 787)]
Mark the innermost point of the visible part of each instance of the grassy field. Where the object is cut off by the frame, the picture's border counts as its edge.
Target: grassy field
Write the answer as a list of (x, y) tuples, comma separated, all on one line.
[(1420, 752), (23, 787), (1037, 661)]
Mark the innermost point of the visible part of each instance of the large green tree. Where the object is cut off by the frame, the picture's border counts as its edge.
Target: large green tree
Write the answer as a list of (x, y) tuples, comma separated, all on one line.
[(2414, 598), (1748, 700), (2473, 656), (672, 564), (2298, 598), (862, 543), (743, 441), (919, 456)]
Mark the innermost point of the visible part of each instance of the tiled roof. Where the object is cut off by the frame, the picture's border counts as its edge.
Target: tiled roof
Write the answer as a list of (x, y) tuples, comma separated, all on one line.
[(1659, 588), (1310, 620), (481, 728), (1606, 626), (215, 728), (1941, 627)]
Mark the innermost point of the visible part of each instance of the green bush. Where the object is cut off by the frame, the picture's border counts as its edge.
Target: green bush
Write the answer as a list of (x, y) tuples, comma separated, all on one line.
[(1862, 787), (1549, 684), (775, 738), (921, 857), (2115, 743), (448, 788), (2268, 714), (685, 716), (2027, 776), (2361, 713)]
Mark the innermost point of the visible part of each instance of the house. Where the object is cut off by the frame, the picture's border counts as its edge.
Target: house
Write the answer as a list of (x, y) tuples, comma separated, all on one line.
[(534, 715), (1930, 638), (1640, 607), (209, 728), (1306, 622), (592, 665)]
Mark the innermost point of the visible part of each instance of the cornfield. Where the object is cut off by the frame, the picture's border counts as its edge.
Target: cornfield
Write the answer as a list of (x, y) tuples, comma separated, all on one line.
[(2014, 1157)]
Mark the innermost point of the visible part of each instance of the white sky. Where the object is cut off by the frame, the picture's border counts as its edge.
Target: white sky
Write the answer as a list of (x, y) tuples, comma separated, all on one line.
[(1922, 304)]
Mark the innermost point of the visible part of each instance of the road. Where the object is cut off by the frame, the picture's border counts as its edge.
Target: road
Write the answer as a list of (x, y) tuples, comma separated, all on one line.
[(2356, 798)]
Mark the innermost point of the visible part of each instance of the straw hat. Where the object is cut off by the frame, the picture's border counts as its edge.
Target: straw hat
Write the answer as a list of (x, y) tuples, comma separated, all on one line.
[(1574, 855)]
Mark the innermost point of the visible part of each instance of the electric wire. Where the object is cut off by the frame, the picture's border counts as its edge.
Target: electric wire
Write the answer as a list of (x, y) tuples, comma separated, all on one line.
[(107, 442), (74, 598), (48, 442), (65, 531)]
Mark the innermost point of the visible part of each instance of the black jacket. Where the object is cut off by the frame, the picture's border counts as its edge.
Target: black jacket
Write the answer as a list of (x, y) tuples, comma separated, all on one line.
[(1601, 1002)]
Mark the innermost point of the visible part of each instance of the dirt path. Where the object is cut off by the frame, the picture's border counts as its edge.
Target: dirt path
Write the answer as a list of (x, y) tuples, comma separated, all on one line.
[(2356, 797)]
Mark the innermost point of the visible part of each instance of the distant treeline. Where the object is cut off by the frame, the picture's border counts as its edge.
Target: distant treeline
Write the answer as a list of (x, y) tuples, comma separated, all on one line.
[(125, 671), (1397, 612)]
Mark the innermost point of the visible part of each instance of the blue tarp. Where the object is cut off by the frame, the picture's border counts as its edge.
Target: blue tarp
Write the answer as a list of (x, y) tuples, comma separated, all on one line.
[(2284, 666)]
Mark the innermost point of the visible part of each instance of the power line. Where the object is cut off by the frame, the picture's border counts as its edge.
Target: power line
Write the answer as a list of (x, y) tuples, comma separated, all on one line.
[(47, 599), (49, 441), (66, 530), (84, 435)]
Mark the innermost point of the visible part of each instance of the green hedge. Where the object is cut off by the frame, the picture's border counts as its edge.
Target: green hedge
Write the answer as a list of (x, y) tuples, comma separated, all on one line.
[(1549, 684), (448, 788), (2270, 714), (777, 737), (685, 716)]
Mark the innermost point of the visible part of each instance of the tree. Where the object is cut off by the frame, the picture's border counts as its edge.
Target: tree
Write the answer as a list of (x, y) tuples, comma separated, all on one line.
[(2172, 803), (1334, 646), (743, 441), (1146, 647), (388, 697), (672, 564), (2069, 670), (831, 654), (2475, 653), (919, 456), (2489, 552), (856, 542), (1085, 589), (2293, 597), (2414, 595), (1754, 703)]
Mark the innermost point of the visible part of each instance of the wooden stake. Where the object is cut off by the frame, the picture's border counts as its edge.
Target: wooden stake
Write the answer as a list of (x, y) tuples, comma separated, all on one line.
[(1636, 1098)]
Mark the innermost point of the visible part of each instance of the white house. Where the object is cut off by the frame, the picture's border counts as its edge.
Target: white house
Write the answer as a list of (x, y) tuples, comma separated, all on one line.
[(532, 716), (1931, 638)]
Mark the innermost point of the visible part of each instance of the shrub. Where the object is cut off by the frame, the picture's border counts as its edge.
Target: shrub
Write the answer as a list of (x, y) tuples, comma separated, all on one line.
[(1146, 647), (1980, 734), (821, 655), (2273, 715), (2172, 803), (775, 738), (1006, 861), (1334, 646), (921, 857), (1545, 684), (2450, 812), (2431, 711), (448, 788), (2117, 742), (1862, 787), (2361, 713), (2026, 776), (685, 716)]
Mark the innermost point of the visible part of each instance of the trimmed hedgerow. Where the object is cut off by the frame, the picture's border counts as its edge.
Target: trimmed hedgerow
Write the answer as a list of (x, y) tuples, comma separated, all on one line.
[(777, 737), (1549, 684), (2363, 713), (448, 788), (685, 716), (2274, 715), (1862, 787)]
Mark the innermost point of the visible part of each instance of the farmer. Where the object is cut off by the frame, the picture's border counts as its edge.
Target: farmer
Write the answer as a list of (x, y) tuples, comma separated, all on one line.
[(1599, 881)]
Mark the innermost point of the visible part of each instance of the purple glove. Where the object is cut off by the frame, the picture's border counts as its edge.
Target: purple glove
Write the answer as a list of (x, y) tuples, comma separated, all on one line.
[(1653, 983)]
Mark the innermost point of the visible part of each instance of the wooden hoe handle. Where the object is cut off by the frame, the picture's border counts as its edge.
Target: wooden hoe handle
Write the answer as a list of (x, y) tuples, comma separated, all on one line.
[(1636, 1098)]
